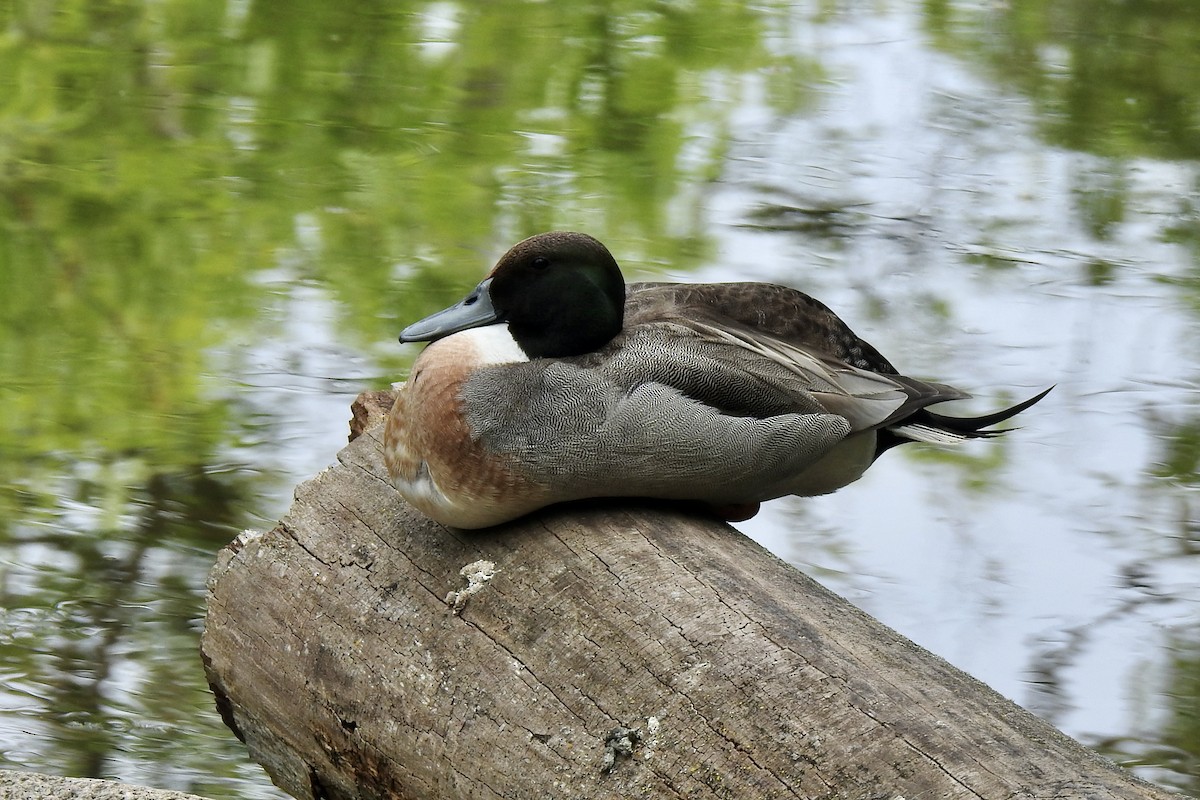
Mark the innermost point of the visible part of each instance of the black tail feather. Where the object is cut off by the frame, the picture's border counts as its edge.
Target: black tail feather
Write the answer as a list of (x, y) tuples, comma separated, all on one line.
[(964, 427), (974, 425)]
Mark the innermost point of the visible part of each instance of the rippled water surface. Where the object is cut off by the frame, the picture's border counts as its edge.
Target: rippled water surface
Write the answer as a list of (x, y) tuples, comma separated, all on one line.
[(216, 218)]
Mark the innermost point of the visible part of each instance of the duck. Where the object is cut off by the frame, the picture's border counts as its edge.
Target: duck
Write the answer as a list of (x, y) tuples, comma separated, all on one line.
[(554, 381)]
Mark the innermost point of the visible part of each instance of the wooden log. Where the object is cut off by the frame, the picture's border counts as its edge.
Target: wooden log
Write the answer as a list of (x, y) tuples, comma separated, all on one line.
[(16, 785), (606, 650)]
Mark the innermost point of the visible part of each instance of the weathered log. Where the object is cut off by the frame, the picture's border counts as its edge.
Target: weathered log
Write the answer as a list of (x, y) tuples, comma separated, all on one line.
[(16, 785), (605, 650)]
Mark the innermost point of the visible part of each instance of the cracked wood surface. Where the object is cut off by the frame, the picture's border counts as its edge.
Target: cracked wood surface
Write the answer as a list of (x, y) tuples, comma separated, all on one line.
[(606, 650)]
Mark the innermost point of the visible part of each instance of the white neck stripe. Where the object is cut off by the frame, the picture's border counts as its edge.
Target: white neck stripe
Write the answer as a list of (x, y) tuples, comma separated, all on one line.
[(494, 344)]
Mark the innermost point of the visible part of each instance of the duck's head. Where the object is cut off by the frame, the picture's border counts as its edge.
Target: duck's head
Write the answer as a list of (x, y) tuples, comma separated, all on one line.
[(560, 293)]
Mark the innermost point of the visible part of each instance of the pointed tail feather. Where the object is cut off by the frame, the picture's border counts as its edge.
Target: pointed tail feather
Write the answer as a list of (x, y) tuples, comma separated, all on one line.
[(929, 426), (974, 425)]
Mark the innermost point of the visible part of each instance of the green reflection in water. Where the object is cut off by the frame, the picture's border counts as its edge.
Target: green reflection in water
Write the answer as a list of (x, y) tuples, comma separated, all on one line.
[(155, 159), (1175, 757), (1116, 79), (1120, 80), (1109, 77), (1182, 738)]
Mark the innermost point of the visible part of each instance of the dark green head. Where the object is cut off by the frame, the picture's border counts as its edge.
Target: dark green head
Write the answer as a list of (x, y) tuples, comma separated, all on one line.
[(561, 294)]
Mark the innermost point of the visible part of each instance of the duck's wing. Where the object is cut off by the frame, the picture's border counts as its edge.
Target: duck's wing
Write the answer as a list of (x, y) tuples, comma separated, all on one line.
[(742, 372), (897, 406), (865, 398), (767, 309), (577, 433), (826, 358)]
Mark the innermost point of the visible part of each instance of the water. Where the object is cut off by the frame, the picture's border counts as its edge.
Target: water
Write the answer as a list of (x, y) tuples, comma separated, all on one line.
[(216, 219)]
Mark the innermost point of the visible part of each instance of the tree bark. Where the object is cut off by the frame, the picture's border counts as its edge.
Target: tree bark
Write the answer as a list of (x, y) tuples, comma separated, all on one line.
[(605, 650)]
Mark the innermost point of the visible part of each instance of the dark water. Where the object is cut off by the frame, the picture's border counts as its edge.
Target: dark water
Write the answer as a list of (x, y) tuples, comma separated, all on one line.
[(215, 219)]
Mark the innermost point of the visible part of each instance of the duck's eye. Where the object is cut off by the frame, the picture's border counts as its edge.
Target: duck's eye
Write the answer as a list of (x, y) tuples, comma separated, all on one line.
[(540, 262)]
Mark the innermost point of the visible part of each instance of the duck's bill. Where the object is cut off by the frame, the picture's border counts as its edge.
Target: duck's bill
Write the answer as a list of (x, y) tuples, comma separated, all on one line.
[(472, 311)]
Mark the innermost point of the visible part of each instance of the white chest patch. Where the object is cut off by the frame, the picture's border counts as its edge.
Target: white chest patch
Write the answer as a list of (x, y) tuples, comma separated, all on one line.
[(491, 345)]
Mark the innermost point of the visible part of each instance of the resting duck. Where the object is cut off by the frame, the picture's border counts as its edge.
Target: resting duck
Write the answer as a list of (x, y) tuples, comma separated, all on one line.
[(553, 380)]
